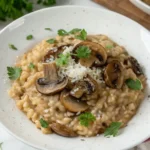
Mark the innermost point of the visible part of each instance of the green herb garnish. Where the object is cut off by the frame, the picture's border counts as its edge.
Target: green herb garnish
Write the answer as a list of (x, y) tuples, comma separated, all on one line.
[(1, 145), (31, 66), (51, 41), (63, 59), (83, 52), (14, 72), (109, 46), (49, 29), (16, 8), (44, 123), (82, 35), (29, 37), (62, 32), (113, 129), (46, 2), (74, 31), (12, 47), (134, 84), (86, 118)]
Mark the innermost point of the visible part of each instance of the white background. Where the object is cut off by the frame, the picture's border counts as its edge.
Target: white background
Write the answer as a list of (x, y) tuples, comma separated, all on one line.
[(9, 142)]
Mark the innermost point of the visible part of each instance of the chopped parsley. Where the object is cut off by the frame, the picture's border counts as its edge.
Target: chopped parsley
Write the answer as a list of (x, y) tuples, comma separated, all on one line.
[(83, 52), (12, 47), (14, 72), (62, 59), (44, 123), (49, 29), (75, 30), (86, 118), (134, 84), (29, 37), (109, 46), (51, 41), (113, 129), (82, 35), (62, 32), (31, 66)]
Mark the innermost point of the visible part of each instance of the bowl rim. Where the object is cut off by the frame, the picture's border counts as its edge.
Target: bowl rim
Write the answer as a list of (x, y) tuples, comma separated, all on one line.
[(59, 7), (144, 4)]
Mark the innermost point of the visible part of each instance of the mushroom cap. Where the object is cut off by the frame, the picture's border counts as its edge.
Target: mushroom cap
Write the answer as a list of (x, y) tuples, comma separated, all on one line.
[(63, 130), (72, 104), (50, 84), (51, 87), (135, 66), (98, 55), (54, 52), (113, 74)]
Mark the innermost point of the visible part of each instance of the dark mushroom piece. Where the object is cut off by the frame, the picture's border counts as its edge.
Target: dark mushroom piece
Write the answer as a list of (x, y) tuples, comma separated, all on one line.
[(98, 55), (63, 130), (113, 74), (86, 87), (92, 89), (71, 103), (135, 66), (54, 52), (50, 84)]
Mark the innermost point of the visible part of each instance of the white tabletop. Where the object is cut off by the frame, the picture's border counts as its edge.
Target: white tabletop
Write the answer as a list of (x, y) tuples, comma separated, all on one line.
[(9, 142)]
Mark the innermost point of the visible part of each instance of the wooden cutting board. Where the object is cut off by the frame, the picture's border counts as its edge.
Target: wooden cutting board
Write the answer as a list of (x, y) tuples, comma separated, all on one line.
[(126, 8)]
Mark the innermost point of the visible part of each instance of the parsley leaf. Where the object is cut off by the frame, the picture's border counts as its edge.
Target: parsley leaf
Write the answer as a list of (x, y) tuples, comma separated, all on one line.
[(86, 118), (31, 66), (113, 129), (51, 41), (62, 32), (109, 46), (83, 52), (1, 145), (12, 47), (49, 29), (13, 72), (63, 59), (14, 8), (134, 84), (43, 123), (75, 30), (49, 2), (29, 37), (82, 35)]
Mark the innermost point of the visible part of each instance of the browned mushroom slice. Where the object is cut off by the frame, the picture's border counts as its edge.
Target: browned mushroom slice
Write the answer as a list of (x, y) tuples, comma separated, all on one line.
[(78, 90), (50, 84), (98, 55), (113, 74), (135, 66), (92, 89), (72, 104), (63, 130), (54, 52)]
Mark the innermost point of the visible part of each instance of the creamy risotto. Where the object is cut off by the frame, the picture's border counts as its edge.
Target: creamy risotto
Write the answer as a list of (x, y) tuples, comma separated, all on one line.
[(78, 85)]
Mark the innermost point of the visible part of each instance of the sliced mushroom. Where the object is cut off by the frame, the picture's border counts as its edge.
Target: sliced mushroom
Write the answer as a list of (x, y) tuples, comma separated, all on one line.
[(50, 84), (92, 89), (98, 55), (63, 130), (54, 52), (113, 74), (72, 104), (135, 66)]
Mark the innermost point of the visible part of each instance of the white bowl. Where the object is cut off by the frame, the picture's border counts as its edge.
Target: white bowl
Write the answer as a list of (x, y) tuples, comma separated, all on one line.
[(96, 21), (141, 5)]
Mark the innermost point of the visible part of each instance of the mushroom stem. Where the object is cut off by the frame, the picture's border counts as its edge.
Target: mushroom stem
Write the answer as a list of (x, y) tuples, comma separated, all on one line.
[(50, 72)]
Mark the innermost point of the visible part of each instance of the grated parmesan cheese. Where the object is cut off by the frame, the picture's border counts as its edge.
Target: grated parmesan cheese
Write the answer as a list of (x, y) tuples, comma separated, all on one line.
[(75, 71)]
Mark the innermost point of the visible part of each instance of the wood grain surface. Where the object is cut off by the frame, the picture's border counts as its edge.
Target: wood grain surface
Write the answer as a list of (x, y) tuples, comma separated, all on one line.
[(126, 8)]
